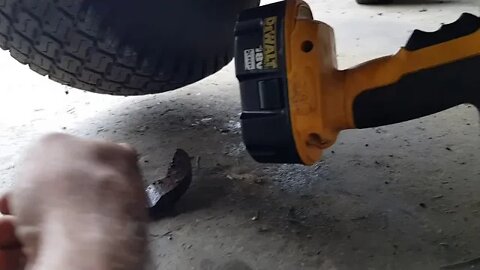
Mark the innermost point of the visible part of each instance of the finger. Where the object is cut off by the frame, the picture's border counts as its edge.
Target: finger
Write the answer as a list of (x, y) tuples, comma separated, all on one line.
[(12, 259), (4, 204), (8, 239), (129, 148)]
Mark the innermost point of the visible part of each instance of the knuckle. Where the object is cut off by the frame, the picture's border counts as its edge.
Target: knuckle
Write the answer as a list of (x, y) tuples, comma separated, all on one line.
[(129, 149), (54, 137)]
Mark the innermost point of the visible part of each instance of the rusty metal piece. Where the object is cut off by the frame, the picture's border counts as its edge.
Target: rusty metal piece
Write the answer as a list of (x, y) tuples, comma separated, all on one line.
[(164, 193)]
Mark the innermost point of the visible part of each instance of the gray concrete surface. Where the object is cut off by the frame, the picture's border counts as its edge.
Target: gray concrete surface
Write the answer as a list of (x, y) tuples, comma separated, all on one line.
[(396, 197)]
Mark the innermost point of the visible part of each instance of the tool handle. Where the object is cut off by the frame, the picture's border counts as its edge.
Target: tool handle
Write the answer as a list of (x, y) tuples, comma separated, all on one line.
[(448, 82), (467, 24), (420, 94)]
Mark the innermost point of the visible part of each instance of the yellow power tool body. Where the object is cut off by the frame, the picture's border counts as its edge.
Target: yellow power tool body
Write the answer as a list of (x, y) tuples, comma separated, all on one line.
[(295, 101)]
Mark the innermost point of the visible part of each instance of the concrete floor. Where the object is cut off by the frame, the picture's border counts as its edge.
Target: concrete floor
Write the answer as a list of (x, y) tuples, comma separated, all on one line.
[(396, 197)]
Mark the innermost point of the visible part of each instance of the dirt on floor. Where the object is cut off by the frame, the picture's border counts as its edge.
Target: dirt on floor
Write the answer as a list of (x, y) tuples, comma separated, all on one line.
[(396, 197)]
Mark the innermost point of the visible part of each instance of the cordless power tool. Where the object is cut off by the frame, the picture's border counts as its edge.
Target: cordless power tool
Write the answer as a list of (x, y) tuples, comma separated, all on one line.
[(295, 101)]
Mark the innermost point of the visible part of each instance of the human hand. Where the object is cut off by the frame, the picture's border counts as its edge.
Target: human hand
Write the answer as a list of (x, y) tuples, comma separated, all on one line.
[(11, 256), (76, 199)]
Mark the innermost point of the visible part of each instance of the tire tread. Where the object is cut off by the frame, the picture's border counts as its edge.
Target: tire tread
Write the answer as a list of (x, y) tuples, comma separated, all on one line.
[(69, 42)]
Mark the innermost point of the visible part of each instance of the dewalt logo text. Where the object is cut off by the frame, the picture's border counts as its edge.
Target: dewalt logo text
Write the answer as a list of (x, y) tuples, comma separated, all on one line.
[(270, 43)]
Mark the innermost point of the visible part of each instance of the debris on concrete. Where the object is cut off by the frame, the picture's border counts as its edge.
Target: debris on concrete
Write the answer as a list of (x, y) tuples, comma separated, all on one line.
[(256, 217), (206, 120), (248, 177), (163, 194), (143, 129), (161, 235), (166, 111)]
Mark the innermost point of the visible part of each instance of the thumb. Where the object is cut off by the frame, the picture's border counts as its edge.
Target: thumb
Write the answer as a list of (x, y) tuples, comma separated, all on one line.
[(8, 239), (5, 204)]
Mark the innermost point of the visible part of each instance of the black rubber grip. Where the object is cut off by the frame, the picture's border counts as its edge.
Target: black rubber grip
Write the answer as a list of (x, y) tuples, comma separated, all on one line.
[(465, 25), (420, 94)]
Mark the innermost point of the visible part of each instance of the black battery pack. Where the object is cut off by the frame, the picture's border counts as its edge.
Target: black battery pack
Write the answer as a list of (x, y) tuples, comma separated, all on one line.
[(261, 70)]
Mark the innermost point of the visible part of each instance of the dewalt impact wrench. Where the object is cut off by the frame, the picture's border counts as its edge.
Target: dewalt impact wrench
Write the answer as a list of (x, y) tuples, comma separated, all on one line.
[(295, 101)]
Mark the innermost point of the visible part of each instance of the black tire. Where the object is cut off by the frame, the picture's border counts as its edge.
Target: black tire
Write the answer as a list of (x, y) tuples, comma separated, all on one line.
[(121, 47), (374, 2)]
